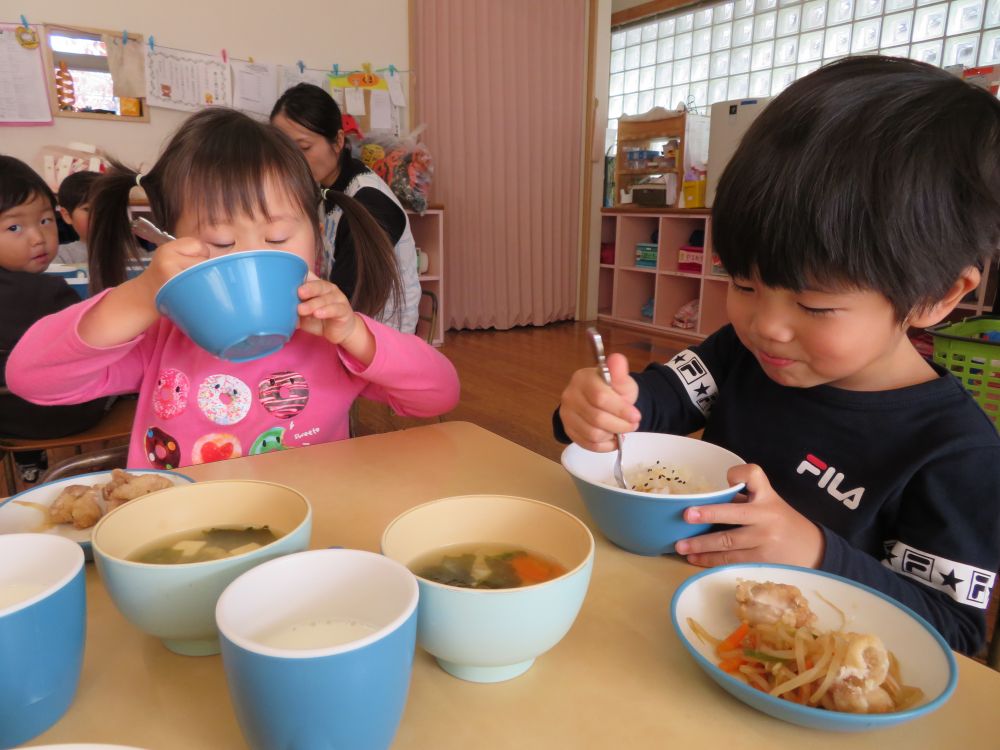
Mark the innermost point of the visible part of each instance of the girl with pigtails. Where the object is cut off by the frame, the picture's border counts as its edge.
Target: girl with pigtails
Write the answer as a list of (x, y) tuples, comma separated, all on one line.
[(223, 184)]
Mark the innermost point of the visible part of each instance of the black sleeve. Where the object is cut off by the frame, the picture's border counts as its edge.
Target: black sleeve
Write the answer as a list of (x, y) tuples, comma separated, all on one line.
[(944, 546), (675, 396), (384, 210)]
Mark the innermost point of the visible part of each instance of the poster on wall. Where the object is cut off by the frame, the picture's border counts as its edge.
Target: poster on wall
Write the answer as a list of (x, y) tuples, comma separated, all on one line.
[(255, 86), (292, 76), (186, 80), (24, 96)]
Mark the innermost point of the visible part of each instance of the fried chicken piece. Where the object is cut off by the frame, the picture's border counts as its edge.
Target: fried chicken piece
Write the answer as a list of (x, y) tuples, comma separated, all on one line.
[(136, 486), (769, 603), (86, 510), (61, 510), (118, 478), (857, 688)]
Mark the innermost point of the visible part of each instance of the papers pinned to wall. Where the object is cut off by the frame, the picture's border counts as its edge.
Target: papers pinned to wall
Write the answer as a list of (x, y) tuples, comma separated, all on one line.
[(127, 65), (255, 87), (24, 95), (291, 76), (188, 81)]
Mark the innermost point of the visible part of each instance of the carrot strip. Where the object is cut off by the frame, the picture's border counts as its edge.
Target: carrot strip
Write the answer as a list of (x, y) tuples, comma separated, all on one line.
[(733, 639)]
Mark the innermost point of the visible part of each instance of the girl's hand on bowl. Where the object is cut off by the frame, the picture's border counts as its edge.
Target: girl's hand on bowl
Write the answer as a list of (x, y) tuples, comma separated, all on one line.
[(592, 413), (768, 529), (171, 258), (325, 311)]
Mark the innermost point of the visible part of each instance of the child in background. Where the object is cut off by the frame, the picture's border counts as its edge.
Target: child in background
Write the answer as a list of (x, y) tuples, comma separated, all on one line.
[(28, 242), (863, 459), (74, 207), (226, 183)]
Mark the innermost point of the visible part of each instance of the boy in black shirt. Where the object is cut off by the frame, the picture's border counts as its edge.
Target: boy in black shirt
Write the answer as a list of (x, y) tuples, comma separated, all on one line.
[(862, 202)]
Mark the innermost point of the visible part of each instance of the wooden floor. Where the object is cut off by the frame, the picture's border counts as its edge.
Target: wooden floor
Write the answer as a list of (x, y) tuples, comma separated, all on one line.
[(511, 380)]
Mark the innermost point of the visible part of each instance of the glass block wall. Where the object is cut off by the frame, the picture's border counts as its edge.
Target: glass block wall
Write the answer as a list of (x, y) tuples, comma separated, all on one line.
[(749, 48)]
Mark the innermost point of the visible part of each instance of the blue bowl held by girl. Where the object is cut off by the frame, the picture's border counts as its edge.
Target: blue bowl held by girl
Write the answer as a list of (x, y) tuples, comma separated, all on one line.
[(42, 629), (240, 306), (318, 649)]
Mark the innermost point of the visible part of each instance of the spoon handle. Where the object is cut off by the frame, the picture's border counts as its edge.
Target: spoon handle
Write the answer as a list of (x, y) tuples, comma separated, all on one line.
[(148, 231)]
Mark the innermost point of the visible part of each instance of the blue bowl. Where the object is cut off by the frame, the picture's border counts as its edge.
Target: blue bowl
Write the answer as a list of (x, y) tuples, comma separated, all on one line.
[(924, 658), (240, 306), (640, 522), (332, 689), (42, 628), (176, 603), (492, 635)]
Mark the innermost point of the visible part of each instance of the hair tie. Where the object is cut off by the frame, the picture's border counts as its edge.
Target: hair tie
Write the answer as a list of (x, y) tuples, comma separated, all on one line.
[(138, 179), (323, 192)]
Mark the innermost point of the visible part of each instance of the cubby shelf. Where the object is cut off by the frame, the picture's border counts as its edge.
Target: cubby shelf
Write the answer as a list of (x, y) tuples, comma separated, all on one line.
[(625, 289)]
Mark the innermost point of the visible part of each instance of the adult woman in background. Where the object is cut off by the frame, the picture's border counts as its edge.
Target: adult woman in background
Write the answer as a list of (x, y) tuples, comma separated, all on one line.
[(312, 119)]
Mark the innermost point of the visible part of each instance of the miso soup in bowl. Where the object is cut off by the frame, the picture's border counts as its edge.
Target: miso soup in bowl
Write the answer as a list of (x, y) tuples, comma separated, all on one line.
[(501, 579), (165, 558)]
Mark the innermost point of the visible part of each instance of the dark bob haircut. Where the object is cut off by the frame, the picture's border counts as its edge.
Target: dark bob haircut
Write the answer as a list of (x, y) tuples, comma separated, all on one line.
[(873, 173), (19, 184), (312, 108), (74, 190)]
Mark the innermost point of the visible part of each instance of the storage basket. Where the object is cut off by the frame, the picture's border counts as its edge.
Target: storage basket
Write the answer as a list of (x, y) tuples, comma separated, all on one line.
[(964, 350)]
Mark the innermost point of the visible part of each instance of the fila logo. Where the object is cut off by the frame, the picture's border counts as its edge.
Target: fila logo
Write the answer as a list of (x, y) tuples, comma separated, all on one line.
[(830, 479)]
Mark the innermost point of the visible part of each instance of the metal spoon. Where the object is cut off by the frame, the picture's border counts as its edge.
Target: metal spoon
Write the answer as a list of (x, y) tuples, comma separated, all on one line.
[(147, 230), (602, 368)]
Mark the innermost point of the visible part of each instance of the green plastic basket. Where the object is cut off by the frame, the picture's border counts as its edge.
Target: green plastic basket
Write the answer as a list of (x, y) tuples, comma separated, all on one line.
[(961, 349)]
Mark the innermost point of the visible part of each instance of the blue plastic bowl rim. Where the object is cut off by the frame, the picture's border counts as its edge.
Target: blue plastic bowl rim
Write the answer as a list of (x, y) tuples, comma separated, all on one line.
[(498, 593), (224, 259), (305, 522), (318, 653), (652, 497), (808, 712)]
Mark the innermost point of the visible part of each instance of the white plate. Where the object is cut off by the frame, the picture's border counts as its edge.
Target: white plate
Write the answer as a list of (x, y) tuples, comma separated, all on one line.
[(925, 660), (27, 511)]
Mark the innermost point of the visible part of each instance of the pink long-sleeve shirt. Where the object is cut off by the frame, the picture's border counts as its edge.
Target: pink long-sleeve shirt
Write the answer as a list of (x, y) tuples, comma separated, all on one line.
[(194, 407)]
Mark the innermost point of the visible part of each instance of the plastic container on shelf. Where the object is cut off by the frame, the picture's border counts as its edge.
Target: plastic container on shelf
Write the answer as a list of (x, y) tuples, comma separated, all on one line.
[(645, 254), (689, 258)]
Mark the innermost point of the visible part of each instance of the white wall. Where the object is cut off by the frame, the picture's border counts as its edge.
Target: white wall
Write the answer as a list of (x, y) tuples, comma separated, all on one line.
[(318, 32)]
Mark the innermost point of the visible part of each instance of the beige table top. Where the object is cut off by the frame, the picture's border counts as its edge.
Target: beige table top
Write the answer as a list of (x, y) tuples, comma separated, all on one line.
[(619, 679)]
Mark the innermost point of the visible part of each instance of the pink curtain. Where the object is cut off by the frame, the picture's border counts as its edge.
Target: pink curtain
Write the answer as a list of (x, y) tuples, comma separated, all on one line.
[(499, 84)]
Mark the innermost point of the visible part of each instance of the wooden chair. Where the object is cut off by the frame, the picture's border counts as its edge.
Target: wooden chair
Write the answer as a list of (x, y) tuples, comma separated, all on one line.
[(116, 424), (427, 314)]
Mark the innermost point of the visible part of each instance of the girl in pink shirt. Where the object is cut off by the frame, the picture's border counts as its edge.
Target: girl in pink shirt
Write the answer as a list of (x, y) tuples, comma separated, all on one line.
[(227, 183)]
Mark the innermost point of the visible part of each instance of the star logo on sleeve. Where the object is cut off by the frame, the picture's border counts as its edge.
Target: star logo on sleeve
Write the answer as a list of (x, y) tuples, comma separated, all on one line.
[(951, 580)]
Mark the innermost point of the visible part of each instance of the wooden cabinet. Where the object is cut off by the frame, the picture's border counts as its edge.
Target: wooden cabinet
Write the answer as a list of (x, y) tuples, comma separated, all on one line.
[(428, 234), (648, 297), (687, 134)]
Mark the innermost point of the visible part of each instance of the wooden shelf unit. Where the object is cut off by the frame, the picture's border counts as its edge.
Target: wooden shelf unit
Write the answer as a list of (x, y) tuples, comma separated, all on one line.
[(691, 132), (428, 234), (624, 288)]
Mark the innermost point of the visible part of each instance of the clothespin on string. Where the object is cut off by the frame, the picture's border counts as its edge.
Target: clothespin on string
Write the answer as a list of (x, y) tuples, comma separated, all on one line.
[(225, 55), (336, 70), (250, 59), (302, 67), (26, 36), (152, 44), (392, 69), (124, 37)]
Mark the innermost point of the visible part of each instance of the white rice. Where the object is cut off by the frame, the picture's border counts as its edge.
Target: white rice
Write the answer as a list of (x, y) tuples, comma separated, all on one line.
[(661, 479)]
